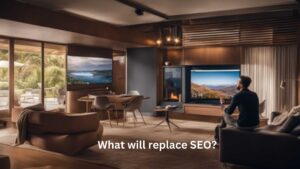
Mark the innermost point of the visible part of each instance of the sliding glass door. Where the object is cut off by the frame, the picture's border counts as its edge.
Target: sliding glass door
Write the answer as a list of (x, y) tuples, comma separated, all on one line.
[(38, 74), (54, 76), (4, 75), (27, 73)]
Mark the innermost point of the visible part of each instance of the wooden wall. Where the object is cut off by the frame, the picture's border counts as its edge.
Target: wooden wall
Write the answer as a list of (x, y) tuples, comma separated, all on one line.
[(298, 70), (119, 72), (204, 56)]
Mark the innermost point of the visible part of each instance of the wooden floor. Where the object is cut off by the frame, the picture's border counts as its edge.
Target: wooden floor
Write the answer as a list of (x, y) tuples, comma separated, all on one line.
[(25, 158)]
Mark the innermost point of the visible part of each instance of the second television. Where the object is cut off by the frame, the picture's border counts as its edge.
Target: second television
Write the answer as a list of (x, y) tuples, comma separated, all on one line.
[(210, 83)]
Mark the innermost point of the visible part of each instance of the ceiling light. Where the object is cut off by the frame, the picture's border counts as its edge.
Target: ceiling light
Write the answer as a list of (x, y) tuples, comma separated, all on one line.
[(158, 42), (176, 40), (168, 39)]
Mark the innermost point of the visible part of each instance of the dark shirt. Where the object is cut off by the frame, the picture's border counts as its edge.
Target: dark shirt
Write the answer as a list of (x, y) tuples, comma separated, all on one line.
[(248, 104)]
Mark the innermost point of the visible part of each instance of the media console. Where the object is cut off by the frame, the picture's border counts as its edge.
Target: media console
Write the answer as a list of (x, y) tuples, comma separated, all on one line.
[(200, 112)]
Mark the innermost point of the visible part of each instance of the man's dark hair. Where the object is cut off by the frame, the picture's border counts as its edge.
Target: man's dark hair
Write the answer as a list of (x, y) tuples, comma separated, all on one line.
[(245, 81)]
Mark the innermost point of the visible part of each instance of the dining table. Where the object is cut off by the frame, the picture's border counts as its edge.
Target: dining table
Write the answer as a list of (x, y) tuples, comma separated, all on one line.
[(119, 100)]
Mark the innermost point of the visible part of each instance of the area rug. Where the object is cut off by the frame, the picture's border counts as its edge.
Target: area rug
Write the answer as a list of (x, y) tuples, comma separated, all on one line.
[(149, 158)]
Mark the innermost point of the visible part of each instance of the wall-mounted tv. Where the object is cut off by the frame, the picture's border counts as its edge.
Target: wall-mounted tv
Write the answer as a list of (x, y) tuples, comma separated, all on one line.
[(209, 83), (89, 70)]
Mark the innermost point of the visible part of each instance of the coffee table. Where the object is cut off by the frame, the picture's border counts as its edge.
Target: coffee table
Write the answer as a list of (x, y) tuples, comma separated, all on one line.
[(166, 118)]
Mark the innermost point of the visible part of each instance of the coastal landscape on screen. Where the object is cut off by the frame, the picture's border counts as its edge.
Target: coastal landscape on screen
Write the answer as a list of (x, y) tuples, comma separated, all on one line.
[(213, 84), (89, 70)]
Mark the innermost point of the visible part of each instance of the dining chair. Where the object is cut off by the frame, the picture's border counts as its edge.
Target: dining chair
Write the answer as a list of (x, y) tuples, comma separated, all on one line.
[(102, 104), (134, 105), (133, 92)]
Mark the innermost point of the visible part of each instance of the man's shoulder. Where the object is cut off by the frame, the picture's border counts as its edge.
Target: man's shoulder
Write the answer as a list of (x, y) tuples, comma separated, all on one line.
[(246, 92)]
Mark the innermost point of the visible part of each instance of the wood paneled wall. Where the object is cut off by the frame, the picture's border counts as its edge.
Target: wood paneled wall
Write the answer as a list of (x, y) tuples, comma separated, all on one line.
[(204, 56), (119, 72), (242, 30), (212, 56), (298, 70)]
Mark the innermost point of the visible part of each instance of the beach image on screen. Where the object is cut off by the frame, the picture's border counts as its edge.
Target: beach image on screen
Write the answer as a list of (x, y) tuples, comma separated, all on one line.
[(89, 70), (213, 84)]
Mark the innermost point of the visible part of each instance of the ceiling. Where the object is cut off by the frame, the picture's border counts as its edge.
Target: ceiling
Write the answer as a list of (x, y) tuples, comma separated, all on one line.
[(20, 30), (118, 13)]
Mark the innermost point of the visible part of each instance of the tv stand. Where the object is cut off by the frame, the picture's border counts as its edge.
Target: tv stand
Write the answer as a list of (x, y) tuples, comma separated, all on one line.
[(200, 112)]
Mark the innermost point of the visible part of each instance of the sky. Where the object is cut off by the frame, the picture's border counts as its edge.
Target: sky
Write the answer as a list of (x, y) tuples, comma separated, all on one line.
[(77, 63), (215, 77)]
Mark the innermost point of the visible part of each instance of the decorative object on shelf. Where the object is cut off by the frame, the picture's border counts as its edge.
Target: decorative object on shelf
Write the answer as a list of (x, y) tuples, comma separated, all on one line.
[(167, 63), (169, 35)]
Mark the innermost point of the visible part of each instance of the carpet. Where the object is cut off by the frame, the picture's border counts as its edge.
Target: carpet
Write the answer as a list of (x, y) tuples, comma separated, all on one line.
[(149, 158)]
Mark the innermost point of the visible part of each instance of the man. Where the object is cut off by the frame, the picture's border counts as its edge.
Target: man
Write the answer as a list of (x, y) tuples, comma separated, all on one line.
[(248, 104)]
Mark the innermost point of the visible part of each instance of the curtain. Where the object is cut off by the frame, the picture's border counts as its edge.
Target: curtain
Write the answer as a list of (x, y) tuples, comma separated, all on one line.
[(269, 67)]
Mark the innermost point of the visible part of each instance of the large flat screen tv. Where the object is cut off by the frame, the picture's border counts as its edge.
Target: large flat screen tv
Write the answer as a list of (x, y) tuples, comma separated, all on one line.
[(208, 83), (89, 70)]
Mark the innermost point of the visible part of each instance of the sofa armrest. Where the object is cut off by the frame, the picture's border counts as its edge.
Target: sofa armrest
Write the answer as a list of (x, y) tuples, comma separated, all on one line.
[(259, 148)]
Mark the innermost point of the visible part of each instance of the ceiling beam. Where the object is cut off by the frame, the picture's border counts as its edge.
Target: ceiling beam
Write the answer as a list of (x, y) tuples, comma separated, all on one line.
[(143, 7)]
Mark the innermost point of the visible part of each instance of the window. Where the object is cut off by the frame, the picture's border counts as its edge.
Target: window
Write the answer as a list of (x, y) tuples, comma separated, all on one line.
[(54, 76), (4, 75), (27, 73)]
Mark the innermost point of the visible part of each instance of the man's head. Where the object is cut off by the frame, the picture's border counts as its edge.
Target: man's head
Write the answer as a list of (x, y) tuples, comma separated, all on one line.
[(243, 83)]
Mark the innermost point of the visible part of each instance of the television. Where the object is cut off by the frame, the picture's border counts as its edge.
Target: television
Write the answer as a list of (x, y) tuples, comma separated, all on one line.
[(89, 70), (208, 84)]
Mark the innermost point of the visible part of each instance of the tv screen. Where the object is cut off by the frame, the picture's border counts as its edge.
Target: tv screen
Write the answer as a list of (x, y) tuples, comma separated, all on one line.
[(212, 84), (89, 70)]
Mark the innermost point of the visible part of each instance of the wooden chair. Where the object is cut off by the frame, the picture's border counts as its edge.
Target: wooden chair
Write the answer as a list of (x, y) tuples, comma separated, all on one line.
[(102, 104), (133, 106)]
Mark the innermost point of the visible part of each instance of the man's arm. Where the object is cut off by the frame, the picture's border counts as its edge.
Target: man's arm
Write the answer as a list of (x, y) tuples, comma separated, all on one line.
[(234, 102)]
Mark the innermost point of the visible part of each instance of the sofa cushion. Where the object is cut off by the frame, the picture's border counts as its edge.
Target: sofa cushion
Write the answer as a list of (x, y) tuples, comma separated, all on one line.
[(290, 124), (69, 144), (60, 123)]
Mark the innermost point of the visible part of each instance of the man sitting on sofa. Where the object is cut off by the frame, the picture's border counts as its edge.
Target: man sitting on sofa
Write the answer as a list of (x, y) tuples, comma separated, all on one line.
[(248, 104)]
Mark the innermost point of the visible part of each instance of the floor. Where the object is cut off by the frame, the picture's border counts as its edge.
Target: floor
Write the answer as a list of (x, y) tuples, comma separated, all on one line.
[(145, 158)]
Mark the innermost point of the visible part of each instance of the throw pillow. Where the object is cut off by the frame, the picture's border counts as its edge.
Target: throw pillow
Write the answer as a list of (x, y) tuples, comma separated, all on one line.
[(290, 124)]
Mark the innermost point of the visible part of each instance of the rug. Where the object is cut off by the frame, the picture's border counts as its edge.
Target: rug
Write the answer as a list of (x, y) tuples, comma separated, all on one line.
[(148, 158)]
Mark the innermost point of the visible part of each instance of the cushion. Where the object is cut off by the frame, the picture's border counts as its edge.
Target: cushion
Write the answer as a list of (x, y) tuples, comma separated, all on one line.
[(60, 123), (69, 144), (296, 131), (290, 124)]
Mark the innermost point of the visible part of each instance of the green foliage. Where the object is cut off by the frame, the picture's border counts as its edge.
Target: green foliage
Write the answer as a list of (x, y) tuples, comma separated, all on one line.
[(29, 76)]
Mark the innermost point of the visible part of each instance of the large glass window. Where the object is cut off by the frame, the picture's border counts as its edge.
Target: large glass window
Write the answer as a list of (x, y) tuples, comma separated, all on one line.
[(4, 75), (54, 76), (27, 73)]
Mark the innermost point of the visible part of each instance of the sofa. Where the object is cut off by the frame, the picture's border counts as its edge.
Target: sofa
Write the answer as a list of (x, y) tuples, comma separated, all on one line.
[(63, 133), (4, 162), (261, 148)]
